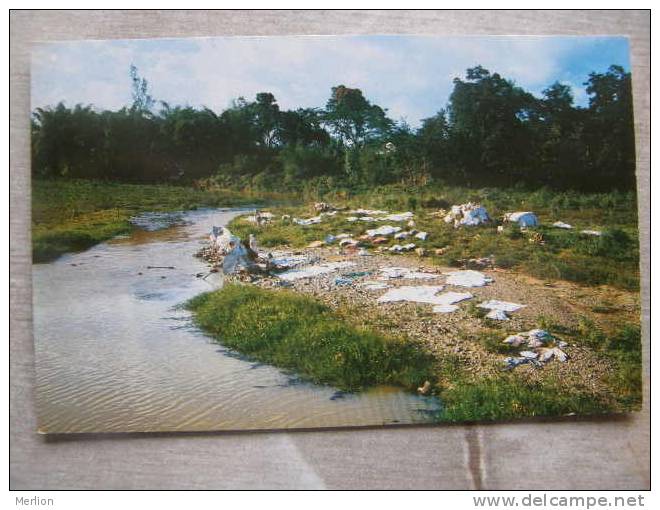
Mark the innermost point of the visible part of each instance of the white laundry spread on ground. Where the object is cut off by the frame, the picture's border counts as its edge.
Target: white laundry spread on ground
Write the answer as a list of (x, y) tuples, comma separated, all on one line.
[(504, 306), (468, 278), (309, 221), (396, 217), (561, 224), (497, 315), (468, 214), (522, 218), (399, 248), (385, 230), (499, 309), (387, 273), (443, 303), (368, 212), (311, 271), (450, 298), (417, 294)]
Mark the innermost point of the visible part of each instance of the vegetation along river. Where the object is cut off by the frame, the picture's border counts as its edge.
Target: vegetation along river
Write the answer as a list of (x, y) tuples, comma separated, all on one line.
[(115, 353)]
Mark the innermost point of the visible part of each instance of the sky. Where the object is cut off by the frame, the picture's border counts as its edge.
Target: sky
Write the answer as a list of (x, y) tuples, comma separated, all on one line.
[(410, 76)]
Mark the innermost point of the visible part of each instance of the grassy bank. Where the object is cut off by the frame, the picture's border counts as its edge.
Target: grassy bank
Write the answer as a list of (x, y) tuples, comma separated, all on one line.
[(71, 215), (297, 333), (507, 398), (351, 351), (544, 252), (510, 395)]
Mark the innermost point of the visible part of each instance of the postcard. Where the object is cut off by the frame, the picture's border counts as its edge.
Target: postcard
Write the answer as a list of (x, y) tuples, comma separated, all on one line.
[(258, 233)]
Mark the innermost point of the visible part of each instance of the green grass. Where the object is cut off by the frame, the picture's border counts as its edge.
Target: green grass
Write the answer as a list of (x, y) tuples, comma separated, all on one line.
[(72, 215), (610, 259), (299, 334), (508, 395), (623, 348)]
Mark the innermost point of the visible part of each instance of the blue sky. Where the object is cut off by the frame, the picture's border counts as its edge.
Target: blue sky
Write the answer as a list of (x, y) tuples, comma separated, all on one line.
[(411, 76)]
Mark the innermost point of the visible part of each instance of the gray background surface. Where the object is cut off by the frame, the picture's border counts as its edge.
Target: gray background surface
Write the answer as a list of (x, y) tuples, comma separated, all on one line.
[(550, 454)]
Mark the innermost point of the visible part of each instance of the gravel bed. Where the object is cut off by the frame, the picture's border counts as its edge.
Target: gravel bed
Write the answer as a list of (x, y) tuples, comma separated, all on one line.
[(457, 333)]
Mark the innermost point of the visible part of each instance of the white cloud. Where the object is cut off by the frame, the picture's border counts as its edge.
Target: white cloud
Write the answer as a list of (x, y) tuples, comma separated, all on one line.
[(411, 76)]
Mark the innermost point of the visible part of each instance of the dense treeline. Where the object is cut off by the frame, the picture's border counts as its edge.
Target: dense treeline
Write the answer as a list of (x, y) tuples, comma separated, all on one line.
[(491, 132)]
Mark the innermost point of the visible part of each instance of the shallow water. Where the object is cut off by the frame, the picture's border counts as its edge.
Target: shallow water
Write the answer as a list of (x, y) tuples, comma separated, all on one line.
[(115, 354)]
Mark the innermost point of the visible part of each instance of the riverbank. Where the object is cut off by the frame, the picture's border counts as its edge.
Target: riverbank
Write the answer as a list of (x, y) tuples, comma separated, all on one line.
[(73, 215), (601, 375), (293, 332), (597, 325)]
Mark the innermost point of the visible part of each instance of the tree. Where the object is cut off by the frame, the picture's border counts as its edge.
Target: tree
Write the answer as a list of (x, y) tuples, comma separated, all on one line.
[(490, 127), (559, 129), (610, 131), (242, 135), (404, 156), (67, 142), (194, 141), (434, 142), (353, 119), (267, 118), (142, 101), (302, 127), (492, 132)]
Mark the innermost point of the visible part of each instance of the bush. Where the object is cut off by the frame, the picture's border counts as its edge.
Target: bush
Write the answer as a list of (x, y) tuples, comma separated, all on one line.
[(300, 163)]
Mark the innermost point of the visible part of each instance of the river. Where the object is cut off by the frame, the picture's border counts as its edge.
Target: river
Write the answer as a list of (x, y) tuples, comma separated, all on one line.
[(114, 352)]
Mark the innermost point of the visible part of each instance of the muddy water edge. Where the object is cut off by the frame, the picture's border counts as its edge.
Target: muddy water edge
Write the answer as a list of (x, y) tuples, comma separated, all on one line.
[(116, 353)]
